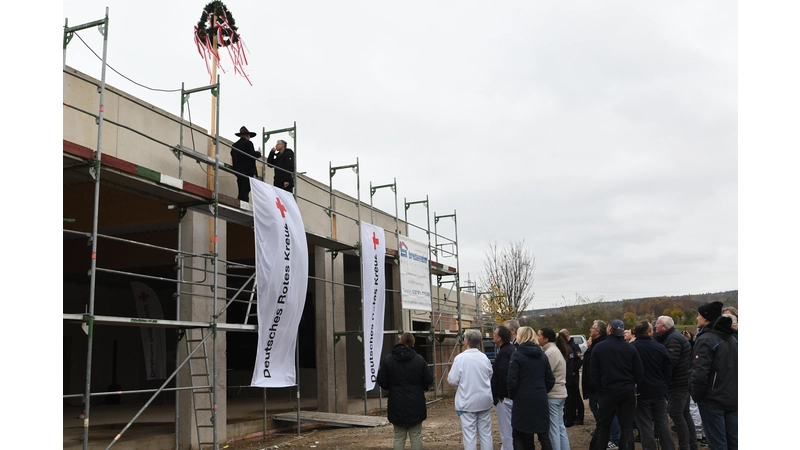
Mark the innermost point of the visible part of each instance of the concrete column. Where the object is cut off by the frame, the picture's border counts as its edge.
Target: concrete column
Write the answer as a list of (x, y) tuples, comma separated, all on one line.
[(323, 299), (330, 317), (199, 307)]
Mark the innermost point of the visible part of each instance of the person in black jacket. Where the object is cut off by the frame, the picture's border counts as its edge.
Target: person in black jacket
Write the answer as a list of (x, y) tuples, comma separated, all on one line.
[(282, 160), (502, 403), (573, 411), (406, 376), (651, 406), (714, 383), (680, 354), (615, 369), (597, 334), (530, 378), (243, 156)]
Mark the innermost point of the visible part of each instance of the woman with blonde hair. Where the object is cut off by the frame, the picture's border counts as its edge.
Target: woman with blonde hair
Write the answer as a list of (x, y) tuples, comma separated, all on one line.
[(529, 380)]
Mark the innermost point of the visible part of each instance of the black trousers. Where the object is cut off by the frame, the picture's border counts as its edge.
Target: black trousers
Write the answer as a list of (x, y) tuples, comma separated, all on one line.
[(526, 441), (624, 406), (243, 182), (574, 409)]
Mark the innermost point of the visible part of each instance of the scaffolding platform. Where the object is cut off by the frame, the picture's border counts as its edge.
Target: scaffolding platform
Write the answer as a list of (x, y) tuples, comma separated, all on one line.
[(332, 419)]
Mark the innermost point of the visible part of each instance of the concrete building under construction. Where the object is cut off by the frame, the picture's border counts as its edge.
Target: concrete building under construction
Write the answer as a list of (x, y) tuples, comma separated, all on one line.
[(150, 200)]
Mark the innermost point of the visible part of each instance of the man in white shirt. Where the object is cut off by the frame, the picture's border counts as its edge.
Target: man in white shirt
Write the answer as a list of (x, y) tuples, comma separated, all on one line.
[(471, 372)]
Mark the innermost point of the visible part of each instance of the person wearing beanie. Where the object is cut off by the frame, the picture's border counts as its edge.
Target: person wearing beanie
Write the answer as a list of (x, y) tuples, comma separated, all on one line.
[(714, 381), (615, 368), (733, 312), (706, 315)]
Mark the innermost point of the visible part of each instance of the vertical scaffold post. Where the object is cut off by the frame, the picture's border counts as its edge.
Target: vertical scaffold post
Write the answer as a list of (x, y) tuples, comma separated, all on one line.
[(95, 169)]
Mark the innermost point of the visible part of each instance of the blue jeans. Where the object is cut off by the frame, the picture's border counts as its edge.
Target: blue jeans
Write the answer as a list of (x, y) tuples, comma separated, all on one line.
[(558, 432), (593, 406), (720, 427)]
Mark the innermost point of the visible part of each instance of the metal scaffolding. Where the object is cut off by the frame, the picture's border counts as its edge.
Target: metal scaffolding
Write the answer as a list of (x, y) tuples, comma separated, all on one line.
[(199, 280)]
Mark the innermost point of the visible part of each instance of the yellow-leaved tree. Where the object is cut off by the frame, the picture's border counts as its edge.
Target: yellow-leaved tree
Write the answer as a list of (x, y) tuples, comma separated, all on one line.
[(495, 305), (508, 279)]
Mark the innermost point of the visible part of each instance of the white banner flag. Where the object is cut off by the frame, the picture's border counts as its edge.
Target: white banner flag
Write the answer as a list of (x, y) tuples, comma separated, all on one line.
[(373, 285), (282, 279), (155, 345), (415, 275)]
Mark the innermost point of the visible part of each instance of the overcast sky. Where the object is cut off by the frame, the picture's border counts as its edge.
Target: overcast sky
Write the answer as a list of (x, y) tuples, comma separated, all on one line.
[(603, 134)]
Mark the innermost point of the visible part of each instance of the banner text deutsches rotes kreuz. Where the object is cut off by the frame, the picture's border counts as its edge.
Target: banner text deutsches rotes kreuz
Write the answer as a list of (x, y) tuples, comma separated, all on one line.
[(281, 300)]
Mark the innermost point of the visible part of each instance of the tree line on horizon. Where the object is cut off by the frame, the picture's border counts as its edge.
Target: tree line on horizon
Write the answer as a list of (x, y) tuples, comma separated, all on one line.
[(578, 318)]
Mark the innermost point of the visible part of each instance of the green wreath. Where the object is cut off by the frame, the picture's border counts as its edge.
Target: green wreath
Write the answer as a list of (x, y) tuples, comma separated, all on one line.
[(204, 30)]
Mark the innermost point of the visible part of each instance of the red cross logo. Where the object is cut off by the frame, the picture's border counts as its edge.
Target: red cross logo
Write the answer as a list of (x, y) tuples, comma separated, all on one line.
[(280, 207), (375, 241), (144, 297)]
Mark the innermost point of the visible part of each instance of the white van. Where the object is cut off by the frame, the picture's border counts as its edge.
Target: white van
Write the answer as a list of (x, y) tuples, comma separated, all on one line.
[(581, 341)]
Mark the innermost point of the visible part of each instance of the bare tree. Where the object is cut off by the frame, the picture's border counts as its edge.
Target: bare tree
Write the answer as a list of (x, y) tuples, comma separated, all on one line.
[(509, 271)]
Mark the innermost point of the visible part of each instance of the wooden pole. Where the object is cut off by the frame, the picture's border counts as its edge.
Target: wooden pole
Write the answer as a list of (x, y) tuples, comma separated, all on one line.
[(212, 148)]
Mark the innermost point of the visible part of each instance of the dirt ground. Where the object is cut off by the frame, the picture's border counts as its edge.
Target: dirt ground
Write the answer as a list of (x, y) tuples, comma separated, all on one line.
[(441, 430)]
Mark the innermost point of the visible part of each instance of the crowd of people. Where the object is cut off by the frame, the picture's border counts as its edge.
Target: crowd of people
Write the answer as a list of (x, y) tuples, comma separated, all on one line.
[(639, 378)]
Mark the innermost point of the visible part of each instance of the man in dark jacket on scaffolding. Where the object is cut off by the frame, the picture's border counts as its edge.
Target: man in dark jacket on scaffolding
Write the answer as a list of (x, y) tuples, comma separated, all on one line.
[(243, 157), (282, 160)]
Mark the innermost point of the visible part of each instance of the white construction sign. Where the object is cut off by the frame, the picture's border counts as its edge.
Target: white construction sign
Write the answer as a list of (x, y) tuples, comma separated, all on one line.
[(282, 279), (415, 276)]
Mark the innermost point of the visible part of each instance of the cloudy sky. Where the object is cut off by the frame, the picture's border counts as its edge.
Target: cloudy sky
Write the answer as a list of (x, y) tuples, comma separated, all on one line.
[(603, 134)]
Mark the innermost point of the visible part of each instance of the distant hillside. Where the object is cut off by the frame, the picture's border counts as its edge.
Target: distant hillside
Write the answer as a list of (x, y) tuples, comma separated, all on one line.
[(578, 317)]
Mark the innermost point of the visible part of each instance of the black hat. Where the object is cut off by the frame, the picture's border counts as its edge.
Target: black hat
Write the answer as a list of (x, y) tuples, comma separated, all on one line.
[(244, 130), (724, 323), (711, 311)]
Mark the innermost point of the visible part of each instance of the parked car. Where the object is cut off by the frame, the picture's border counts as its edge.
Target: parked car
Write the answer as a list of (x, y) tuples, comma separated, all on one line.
[(489, 348), (581, 341)]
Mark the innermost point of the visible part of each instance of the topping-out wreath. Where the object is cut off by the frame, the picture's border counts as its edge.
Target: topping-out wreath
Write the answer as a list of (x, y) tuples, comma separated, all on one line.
[(217, 21)]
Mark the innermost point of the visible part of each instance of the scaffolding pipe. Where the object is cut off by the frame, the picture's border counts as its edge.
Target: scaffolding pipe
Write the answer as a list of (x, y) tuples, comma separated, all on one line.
[(103, 25)]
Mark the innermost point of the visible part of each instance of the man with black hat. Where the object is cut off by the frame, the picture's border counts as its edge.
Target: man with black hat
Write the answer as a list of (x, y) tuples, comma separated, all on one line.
[(714, 377), (615, 368), (282, 160), (243, 156)]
